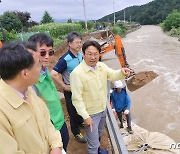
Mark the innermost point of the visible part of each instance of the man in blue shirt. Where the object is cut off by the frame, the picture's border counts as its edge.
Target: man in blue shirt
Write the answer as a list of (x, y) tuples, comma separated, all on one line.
[(121, 102), (61, 73)]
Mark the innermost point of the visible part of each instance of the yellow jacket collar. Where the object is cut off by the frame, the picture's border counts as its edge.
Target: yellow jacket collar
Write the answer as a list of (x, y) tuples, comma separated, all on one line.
[(10, 95), (87, 68)]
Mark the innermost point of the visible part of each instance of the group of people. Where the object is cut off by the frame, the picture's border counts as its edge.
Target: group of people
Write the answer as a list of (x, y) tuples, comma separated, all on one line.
[(31, 115)]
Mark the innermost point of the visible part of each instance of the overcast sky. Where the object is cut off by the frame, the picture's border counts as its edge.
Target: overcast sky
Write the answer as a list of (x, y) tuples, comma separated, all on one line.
[(66, 9)]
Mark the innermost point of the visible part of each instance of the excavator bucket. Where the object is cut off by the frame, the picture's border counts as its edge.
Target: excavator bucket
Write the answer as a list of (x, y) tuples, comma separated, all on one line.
[(140, 79)]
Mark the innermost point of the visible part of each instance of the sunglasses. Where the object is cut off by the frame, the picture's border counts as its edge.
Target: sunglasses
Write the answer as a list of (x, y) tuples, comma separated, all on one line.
[(43, 53)]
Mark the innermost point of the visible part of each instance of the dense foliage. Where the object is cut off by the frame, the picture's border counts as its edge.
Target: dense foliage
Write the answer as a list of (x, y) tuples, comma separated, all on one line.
[(172, 21), (23, 17), (10, 21), (69, 20), (14, 22), (172, 24), (57, 29), (9, 36), (90, 24), (153, 12), (120, 28)]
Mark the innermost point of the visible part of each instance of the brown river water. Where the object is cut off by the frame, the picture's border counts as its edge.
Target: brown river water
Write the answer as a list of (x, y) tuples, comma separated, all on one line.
[(156, 106)]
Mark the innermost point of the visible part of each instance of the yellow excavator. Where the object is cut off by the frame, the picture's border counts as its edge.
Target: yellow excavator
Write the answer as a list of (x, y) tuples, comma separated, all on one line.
[(135, 80)]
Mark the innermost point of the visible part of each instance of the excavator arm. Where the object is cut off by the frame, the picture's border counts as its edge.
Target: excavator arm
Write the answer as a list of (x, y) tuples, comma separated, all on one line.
[(119, 50)]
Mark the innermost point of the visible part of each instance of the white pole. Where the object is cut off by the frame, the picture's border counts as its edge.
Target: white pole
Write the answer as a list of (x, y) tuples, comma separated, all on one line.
[(85, 14), (114, 14)]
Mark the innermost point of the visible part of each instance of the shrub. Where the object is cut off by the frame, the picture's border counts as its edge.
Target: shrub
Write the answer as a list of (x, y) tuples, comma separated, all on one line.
[(172, 20), (9, 36), (118, 30)]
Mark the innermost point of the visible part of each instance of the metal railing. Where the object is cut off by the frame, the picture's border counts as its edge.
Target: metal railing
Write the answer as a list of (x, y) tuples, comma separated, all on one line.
[(117, 142)]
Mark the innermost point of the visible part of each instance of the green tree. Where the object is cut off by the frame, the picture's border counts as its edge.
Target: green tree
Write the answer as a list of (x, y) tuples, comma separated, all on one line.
[(69, 20), (23, 17), (32, 23), (46, 18), (11, 22), (90, 24)]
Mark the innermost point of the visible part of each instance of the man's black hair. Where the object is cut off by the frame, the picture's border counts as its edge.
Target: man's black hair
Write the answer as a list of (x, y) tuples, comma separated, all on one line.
[(14, 57), (91, 43), (41, 38), (72, 35)]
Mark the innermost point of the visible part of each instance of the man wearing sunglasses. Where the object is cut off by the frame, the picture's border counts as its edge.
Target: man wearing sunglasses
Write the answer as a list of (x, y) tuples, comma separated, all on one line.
[(61, 73), (45, 87)]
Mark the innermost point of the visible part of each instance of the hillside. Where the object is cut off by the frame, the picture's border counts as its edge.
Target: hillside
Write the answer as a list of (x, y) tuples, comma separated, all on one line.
[(151, 13)]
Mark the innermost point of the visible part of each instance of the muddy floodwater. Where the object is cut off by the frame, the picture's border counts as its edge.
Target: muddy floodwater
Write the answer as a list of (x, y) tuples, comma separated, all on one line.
[(156, 106)]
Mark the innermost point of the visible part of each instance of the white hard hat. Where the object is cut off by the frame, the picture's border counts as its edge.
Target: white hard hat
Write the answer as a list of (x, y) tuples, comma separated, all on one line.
[(118, 84)]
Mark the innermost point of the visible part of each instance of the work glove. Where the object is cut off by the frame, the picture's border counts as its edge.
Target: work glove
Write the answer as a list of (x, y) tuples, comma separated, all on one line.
[(113, 110), (126, 112)]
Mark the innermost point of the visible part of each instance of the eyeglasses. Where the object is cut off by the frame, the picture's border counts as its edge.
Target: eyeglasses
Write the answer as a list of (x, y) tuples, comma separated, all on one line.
[(92, 55), (43, 53)]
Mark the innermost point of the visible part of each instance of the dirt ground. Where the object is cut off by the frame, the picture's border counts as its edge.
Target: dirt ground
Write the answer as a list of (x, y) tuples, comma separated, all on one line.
[(75, 147)]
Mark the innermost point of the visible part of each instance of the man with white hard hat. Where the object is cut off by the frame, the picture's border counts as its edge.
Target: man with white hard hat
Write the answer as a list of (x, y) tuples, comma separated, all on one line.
[(122, 102)]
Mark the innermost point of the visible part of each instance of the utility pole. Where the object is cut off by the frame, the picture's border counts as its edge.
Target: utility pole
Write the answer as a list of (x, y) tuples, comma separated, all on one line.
[(85, 14), (114, 14), (124, 16)]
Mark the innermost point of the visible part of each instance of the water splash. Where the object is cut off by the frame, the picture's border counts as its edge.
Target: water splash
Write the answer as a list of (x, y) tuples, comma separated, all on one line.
[(173, 81), (144, 61), (170, 127), (139, 38)]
